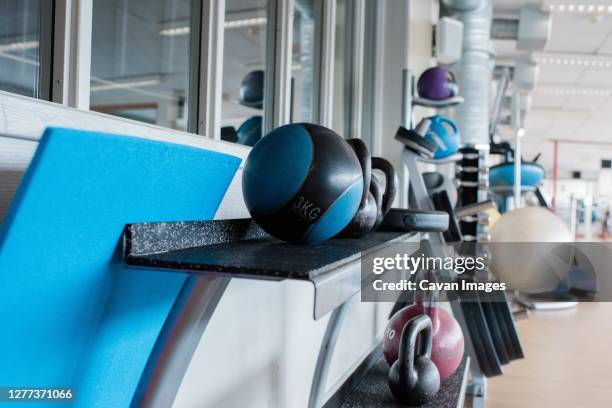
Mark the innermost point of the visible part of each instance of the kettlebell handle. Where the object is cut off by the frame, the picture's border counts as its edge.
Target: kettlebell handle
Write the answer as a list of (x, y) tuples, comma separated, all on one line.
[(390, 187), (365, 161), (417, 325)]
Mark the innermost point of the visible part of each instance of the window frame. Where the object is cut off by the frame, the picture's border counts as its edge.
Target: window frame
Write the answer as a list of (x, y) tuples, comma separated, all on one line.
[(69, 65), (373, 66), (325, 42), (277, 86), (353, 68)]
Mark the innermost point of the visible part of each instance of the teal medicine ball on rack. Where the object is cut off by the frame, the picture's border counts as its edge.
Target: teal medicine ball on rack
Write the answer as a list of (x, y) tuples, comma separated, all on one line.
[(302, 183)]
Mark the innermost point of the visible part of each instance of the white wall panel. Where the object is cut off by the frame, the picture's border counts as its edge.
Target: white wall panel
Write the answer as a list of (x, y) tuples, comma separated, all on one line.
[(391, 80)]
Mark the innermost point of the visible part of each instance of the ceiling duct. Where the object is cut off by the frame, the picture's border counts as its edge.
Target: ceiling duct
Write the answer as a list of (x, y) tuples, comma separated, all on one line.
[(504, 29), (526, 74), (530, 31), (474, 71), (534, 29)]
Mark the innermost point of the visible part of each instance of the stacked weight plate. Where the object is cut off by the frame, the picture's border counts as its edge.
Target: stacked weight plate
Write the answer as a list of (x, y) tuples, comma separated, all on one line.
[(488, 315), (473, 188)]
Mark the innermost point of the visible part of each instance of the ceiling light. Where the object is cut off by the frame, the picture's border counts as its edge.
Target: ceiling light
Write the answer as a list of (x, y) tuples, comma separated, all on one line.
[(587, 62), (18, 46), (247, 22), (110, 85), (575, 91), (579, 8), (174, 31), (242, 23)]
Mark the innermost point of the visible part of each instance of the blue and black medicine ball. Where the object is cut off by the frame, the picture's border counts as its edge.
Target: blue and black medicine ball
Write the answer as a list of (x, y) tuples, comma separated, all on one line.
[(302, 183)]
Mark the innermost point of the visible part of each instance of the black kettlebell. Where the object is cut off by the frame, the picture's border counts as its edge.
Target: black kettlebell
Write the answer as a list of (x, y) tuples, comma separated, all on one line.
[(413, 378), (390, 188), (375, 203)]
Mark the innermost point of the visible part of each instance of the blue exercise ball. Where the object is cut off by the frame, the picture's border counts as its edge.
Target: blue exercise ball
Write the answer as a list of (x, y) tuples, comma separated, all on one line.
[(503, 174), (302, 183)]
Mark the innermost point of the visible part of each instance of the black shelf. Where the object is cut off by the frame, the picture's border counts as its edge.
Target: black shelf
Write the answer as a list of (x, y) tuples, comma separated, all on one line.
[(239, 248), (371, 390)]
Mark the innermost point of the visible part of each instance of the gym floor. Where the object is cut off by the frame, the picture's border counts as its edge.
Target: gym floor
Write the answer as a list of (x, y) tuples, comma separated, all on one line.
[(568, 361)]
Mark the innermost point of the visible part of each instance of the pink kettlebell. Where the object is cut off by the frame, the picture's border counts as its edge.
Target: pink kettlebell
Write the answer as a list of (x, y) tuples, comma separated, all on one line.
[(447, 338)]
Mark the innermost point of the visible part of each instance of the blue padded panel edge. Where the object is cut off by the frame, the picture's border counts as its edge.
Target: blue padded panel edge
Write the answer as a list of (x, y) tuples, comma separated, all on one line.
[(71, 313)]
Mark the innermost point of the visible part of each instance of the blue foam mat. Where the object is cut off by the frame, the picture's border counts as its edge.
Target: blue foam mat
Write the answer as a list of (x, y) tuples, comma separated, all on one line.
[(72, 315)]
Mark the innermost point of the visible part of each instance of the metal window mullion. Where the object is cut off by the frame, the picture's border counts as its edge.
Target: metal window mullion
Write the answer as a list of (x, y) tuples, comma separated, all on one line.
[(353, 68), (72, 53), (81, 66), (208, 65), (46, 48), (373, 69), (277, 93), (61, 51), (325, 41)]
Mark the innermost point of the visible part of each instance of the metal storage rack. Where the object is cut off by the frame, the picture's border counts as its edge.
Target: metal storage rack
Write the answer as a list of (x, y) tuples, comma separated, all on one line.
[(411, 180), (222, 250)]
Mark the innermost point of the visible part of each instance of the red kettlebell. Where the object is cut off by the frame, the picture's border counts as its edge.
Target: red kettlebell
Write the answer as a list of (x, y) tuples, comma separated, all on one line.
[(447, 337)]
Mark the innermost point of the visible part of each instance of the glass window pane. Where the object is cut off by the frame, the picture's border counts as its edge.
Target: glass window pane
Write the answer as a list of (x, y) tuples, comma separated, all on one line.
[(21, 26), (244, 60), (140, 60), (303, 63), (339, 109)]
